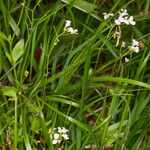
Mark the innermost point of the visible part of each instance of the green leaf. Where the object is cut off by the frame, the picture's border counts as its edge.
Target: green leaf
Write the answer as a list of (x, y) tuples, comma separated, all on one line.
[(35, 124), (13, 25), (82, 5), (18, 50), (9, 91), (124, 80), (3, 36)]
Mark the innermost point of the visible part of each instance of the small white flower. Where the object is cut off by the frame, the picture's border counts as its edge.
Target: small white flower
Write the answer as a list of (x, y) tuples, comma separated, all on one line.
[(69, 29), (54, 141), (126, 59), (121, 19), (135, 43), (107, 15), (123, 12), (62, 130), (131, 21), (135, 49), (67, 24), (135, 46), (72, 31), (126, 21), (118, 22), (65, 136), (59, 134), (56, 136)]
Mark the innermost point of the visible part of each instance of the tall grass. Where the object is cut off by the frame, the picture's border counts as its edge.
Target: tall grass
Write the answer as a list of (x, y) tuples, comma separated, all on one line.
[(50, 78)]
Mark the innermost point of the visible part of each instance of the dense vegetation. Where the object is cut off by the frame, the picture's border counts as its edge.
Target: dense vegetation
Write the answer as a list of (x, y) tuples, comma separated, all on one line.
[(74, 74)]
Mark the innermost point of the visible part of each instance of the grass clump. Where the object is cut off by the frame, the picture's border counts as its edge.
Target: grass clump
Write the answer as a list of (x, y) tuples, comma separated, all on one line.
[(74, 75)]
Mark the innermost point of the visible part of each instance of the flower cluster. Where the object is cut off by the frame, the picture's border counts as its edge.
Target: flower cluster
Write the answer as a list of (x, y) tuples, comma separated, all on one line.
[(59, 135), (69, 29), (124, 18), (135, 46)]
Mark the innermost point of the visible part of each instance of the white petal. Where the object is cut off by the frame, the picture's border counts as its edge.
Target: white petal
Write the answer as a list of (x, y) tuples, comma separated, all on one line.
[(117, 22), (121, 19), (59, 129), (64, 130), (104, 13), (105, 17), (123, 12), (75, 31), (65, 136), (54, 141), (126, 59), (67, 24), (136, 49), (70, 30), (126, 21), (131, 21), (111, 14), (135, 43), (56, 136)]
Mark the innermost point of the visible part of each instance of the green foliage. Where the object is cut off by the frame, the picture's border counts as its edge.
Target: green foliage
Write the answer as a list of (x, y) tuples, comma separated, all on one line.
[(18, 50), (55, 76)]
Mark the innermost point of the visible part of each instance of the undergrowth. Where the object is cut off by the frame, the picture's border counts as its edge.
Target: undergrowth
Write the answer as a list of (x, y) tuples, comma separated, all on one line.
[(74, 74)]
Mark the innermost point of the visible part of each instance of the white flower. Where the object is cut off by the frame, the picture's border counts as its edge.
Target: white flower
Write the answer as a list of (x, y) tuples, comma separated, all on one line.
[(56, 136), (123, 12), (135, 46), (59, 134), (131, 20), (107, 15), (69, 29), (65, 136), (135, 49), (62, 130), (124, 18), (126, 21), (135, 43), (126, 59), (118, 22), (56, 141), (72, 31), (67, 24)]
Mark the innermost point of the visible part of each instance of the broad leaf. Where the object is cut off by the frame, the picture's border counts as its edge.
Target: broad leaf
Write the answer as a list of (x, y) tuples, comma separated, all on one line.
[(18, 50), (9, 91)]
